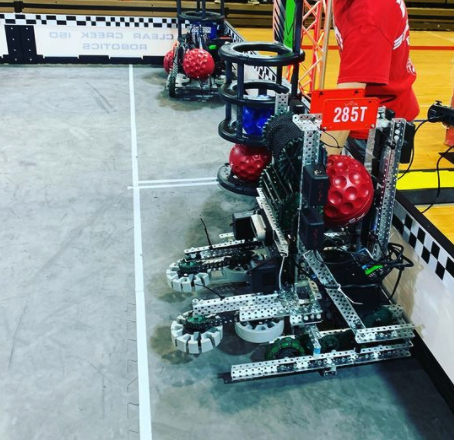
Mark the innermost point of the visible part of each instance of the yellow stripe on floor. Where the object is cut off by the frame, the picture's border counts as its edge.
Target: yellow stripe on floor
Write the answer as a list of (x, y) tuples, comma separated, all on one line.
[(425, 180)]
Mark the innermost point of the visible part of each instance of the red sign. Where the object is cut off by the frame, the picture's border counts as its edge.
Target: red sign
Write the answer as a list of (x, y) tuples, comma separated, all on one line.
[(318, 97), (350, 114)]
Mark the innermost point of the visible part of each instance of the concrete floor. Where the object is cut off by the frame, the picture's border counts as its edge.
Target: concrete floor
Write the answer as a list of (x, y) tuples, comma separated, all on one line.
[(67, 309)]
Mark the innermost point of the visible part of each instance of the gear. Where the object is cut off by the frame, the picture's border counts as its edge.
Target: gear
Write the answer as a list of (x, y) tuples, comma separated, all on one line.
[(284, 348), (199, 323), (190, 266), (329, 343), (187, 284), (380, 318), (196, 341)]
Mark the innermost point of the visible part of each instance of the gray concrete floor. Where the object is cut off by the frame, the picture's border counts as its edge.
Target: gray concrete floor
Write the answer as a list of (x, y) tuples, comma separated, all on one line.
[(67, 367)]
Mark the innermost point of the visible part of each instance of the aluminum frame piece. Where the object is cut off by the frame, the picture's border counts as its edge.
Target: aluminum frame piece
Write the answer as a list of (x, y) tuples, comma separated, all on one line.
[(389, 168), (256, 307), (339, 298), (279, 239), (328, 362)]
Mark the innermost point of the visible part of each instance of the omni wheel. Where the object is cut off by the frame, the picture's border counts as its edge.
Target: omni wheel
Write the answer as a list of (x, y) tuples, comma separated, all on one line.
[(260, 331), (284, 348)]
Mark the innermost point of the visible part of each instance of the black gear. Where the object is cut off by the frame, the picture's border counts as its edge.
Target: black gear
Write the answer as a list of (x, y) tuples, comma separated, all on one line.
[(329, 343)]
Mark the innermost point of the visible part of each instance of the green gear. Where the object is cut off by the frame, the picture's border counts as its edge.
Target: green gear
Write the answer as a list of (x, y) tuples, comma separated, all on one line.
[(189, 267), (197, 323), (284, 348), (379, 318)]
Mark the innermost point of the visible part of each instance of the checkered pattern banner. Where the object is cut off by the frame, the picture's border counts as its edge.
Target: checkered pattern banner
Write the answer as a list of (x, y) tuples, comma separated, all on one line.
[(262, 72), (425, 246), (86, 20)]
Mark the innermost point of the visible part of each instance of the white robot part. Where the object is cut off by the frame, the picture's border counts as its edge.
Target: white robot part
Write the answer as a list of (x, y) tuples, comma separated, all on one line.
[(195, 282), (237, 275), (186, 284), (259, 331), (197, 342)]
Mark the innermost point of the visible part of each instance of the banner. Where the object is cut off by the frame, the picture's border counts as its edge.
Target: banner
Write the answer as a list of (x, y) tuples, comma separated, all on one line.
[(58, 41)]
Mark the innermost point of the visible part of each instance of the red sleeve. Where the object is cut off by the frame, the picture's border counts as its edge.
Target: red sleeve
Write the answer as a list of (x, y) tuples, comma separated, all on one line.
[(366, 56)]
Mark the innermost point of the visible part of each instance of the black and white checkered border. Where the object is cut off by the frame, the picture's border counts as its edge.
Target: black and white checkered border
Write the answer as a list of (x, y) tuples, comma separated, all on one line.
[(87, 20), (425, 246), (262, 72)]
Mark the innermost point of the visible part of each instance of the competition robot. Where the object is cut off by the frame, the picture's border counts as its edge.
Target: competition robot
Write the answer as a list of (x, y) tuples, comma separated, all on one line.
[(193, 65), (306, 266)]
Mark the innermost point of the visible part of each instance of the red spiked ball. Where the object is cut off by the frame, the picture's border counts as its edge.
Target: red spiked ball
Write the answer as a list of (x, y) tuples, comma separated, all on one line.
[(168, 60), (351, 191), (247, 163), (198, 64)]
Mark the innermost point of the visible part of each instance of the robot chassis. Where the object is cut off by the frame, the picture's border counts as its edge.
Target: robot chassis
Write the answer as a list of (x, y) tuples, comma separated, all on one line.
[(206, 30), (297, 303)]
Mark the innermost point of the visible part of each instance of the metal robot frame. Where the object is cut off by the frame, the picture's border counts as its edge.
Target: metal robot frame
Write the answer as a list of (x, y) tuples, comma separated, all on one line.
[(289, 293)]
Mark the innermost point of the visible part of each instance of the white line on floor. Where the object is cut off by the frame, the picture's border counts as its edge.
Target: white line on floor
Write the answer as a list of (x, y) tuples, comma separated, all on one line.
[(141, 320), (195, 179), (175, 185)]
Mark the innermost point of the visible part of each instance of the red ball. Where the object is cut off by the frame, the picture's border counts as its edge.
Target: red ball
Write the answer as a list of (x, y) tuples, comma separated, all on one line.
[(168, 60), (351, 191), (247, 163), (198, 64)]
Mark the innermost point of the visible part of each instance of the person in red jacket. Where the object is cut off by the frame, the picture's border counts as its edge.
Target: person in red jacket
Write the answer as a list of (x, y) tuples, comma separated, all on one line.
[(374, 43)]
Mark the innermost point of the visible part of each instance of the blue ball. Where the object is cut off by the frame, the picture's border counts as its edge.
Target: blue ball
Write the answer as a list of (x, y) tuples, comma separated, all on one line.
[(254, 119)]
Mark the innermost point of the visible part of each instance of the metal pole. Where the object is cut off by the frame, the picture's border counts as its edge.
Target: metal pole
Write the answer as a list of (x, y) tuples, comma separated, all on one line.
[(328, 13)]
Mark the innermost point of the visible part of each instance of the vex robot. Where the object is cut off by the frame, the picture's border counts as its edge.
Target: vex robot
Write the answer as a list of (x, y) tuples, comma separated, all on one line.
[(193, 65), (304, 268)]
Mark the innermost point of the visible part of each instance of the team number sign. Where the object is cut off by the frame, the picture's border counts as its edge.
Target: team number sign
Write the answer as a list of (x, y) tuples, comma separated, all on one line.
[(350, 114), (345, 109)]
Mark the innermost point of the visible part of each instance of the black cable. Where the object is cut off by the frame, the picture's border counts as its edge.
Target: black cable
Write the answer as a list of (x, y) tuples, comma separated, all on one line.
[(335, 140), (442, 156), (337, 146), (358, 286), (206, 231), (413, 146), (412, 156), (395, 285), (211, 290)]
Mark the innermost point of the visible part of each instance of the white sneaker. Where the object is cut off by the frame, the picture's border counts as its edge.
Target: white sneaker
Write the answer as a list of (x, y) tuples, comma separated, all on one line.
[(253, 2)]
